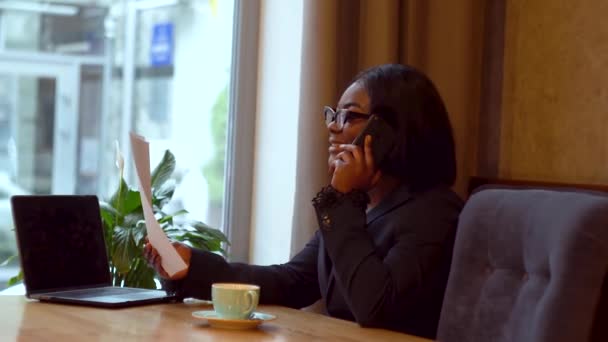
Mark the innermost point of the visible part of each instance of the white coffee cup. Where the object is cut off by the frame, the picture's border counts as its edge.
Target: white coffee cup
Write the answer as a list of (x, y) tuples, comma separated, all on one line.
[(235, 301)]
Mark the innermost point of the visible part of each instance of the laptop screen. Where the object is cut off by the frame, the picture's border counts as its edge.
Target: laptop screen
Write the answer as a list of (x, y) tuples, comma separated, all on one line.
[(60, 240)]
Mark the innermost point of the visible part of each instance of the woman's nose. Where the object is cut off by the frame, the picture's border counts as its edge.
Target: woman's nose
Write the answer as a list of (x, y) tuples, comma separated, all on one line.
[(334, 127)]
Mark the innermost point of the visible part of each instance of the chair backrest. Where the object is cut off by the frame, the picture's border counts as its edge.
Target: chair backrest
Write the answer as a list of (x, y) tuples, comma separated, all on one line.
[(529, 265)]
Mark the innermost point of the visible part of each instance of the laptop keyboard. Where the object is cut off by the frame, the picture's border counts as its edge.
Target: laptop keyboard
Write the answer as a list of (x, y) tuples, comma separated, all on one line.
[(131, 293)]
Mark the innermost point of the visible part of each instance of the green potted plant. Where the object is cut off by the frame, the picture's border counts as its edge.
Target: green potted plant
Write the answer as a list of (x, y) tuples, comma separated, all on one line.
[(125, 230)]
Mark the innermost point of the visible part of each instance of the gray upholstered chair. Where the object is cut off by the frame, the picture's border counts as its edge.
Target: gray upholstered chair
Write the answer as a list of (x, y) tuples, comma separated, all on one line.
[(529, 265)]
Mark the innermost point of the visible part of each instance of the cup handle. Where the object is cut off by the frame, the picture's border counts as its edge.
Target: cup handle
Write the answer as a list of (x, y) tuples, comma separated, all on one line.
[(251, 298)]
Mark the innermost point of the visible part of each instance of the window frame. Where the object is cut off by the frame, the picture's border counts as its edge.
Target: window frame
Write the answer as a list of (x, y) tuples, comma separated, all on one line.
[(242, 105)]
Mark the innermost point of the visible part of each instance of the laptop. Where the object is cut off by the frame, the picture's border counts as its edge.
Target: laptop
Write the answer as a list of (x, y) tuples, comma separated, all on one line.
[(63, 255)]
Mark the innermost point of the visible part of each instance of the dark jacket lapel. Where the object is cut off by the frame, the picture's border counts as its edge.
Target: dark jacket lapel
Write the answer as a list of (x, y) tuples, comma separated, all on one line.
[(394, 199)]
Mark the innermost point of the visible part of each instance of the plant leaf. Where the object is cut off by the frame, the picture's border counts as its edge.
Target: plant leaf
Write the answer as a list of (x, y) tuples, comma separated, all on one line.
[(139, 233), (179, 212), (216, 233), (16, 279), (204, 242), (108, 213), (8, 260), (132, 202), (168, 218), (125, 200), (133, 218), (163, 171), (107, 208), (119, 194), (125, 249), (146, 277), (166, 190), (141, 275)]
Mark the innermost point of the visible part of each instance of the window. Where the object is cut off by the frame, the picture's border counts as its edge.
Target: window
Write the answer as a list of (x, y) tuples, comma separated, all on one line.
[(78, 75)]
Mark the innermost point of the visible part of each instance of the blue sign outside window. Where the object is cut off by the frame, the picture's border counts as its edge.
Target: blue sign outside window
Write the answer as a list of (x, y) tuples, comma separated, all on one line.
[(161, 48)]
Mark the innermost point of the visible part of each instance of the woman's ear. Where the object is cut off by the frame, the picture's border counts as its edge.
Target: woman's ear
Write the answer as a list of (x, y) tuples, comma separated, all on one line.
[(386, 113)]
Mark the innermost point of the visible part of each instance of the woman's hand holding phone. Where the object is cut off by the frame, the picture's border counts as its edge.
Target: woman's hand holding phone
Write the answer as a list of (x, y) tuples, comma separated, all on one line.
[(354, 168)]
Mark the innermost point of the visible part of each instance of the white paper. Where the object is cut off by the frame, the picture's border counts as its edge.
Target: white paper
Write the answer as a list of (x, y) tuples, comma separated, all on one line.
[(170, 259)]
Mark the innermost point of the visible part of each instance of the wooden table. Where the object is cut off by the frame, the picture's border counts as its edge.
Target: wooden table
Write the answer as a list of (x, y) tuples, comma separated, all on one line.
[(26, 320)]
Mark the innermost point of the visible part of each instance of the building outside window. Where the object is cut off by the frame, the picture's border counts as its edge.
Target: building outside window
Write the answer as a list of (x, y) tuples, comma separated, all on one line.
[(78, 75)]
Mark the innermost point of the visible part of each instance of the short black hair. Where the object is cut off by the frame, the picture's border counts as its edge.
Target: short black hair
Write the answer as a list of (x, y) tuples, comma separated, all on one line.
[(423, 155)]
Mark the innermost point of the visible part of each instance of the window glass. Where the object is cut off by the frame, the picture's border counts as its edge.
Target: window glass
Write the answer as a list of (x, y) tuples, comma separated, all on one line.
[(77, 76)]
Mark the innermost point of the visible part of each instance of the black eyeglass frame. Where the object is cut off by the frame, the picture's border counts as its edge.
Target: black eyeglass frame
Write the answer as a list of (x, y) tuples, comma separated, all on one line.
[(342, 116)]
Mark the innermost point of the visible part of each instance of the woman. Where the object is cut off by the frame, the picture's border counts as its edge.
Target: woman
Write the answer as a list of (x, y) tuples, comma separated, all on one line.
[(382, 254)]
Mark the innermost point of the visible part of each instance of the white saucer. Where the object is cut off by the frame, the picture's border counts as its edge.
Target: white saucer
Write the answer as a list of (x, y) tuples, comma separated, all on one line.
[(214, 320)]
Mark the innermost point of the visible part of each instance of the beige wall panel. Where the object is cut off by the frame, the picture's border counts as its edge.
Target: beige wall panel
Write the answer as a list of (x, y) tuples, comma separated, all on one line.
[(555, 91)]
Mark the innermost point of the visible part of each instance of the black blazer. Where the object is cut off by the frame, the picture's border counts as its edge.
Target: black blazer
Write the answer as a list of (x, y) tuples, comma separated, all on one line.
[(387, 268)]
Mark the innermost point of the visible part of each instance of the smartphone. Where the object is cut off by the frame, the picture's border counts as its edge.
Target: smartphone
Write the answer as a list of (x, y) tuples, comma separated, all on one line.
[(383, 138)]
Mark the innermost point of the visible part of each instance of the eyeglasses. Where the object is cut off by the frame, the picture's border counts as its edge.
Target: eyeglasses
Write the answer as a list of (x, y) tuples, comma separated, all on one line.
[(341, 116)]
